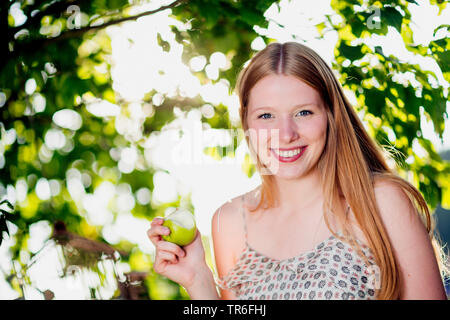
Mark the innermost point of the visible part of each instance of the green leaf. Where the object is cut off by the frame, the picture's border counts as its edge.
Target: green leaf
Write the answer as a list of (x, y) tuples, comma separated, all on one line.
[(443, 60), (428, 146), (251, 17), (116, 4), (375, 101), (440, 3), (418, 49), (358, 26), (407, 34), (447, 26), (7, 203), (320, 28), (393, 17), (351, 52), (440, 49), (209, 13), (3, 228), (445, 201), (162, 43)]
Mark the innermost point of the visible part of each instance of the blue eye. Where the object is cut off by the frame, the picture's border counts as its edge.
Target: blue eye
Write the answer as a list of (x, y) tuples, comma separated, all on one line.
[(304, 112), (263, 116)]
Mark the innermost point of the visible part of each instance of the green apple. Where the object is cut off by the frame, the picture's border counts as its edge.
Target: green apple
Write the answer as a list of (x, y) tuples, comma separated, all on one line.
[(182, 227)]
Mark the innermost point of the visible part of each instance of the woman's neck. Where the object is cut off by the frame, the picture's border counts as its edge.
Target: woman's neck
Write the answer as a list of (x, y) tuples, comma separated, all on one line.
[(299, 193)]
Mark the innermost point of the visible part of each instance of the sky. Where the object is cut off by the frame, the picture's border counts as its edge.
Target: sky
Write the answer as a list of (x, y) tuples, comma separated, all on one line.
[(184, 168)]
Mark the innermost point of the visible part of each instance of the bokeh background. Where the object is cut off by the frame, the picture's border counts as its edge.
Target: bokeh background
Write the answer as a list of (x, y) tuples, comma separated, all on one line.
[(113, 112)]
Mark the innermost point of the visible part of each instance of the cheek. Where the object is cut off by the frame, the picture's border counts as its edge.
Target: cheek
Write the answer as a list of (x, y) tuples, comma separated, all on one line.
[(258, 125), (259, 132), (315, 130)]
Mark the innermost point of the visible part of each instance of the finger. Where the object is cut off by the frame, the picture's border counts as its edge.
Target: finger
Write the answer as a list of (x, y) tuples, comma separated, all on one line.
[(166, 256), (158, 230), (157, 221), (170, 247), (155, 233), (160, 265)]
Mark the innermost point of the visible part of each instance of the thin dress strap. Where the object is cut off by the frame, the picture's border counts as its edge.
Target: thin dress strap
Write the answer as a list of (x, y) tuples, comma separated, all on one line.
[(245, 223)]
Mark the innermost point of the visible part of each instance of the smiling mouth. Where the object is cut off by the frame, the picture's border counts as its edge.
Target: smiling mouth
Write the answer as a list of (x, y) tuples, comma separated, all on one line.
[(289, 155)]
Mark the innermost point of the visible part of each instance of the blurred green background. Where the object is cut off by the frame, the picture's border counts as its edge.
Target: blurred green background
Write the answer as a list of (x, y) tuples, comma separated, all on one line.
[(96, 94)]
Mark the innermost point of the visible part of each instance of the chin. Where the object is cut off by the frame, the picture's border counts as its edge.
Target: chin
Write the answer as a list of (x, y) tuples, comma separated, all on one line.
[(286, 171), (292, 173), (282, 173), (289, 176)]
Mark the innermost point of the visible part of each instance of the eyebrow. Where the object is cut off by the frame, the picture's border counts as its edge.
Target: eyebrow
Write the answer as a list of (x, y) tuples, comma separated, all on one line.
[(293, 107)]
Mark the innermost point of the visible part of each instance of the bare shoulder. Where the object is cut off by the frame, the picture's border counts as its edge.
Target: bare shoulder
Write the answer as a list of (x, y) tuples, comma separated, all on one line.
[(396, 212), (224, 226), (228, 235), (229, 214), (396, 208), (227, 227), (229, 211), (410, 243), (226, 218)]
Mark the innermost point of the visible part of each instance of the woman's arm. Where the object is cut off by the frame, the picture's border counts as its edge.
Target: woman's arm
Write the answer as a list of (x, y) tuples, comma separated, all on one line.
[(420, 276), (203, 287), (226, 237)]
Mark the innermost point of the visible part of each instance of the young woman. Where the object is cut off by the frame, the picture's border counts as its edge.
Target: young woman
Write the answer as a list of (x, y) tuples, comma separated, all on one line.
[(330, 219)]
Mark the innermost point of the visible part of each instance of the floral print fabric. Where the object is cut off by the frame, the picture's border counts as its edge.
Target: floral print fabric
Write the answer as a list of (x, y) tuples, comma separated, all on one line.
[(333, 270)]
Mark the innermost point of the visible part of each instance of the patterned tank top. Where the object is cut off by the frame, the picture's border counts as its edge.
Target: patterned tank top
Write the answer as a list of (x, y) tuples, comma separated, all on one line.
[(333, 270)]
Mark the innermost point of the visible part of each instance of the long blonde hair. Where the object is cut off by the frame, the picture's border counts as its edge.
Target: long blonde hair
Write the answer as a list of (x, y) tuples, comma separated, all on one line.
[(352, 171)]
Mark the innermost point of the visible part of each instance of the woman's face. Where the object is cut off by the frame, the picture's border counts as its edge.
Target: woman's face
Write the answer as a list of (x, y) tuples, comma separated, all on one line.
[(287, 125)]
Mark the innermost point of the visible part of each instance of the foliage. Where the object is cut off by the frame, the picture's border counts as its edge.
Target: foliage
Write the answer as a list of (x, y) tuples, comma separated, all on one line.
[(4, 216), (58, 60), (393, 92)]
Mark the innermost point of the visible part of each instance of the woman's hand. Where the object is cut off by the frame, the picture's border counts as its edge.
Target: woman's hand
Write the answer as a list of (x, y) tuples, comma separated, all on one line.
[(179, 264)]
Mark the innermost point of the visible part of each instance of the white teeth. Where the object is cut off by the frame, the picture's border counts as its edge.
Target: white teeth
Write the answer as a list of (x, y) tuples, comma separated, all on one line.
[(288, 154)]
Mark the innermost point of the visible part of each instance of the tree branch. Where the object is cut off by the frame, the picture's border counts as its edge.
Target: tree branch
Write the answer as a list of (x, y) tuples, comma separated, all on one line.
[(72, 33), (51, 9), (35, 45)]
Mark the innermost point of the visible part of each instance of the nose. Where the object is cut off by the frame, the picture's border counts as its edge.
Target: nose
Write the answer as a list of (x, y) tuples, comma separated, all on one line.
[(288, 131)]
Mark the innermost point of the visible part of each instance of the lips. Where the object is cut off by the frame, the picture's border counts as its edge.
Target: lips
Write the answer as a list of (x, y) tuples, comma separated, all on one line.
[(289, 155)]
